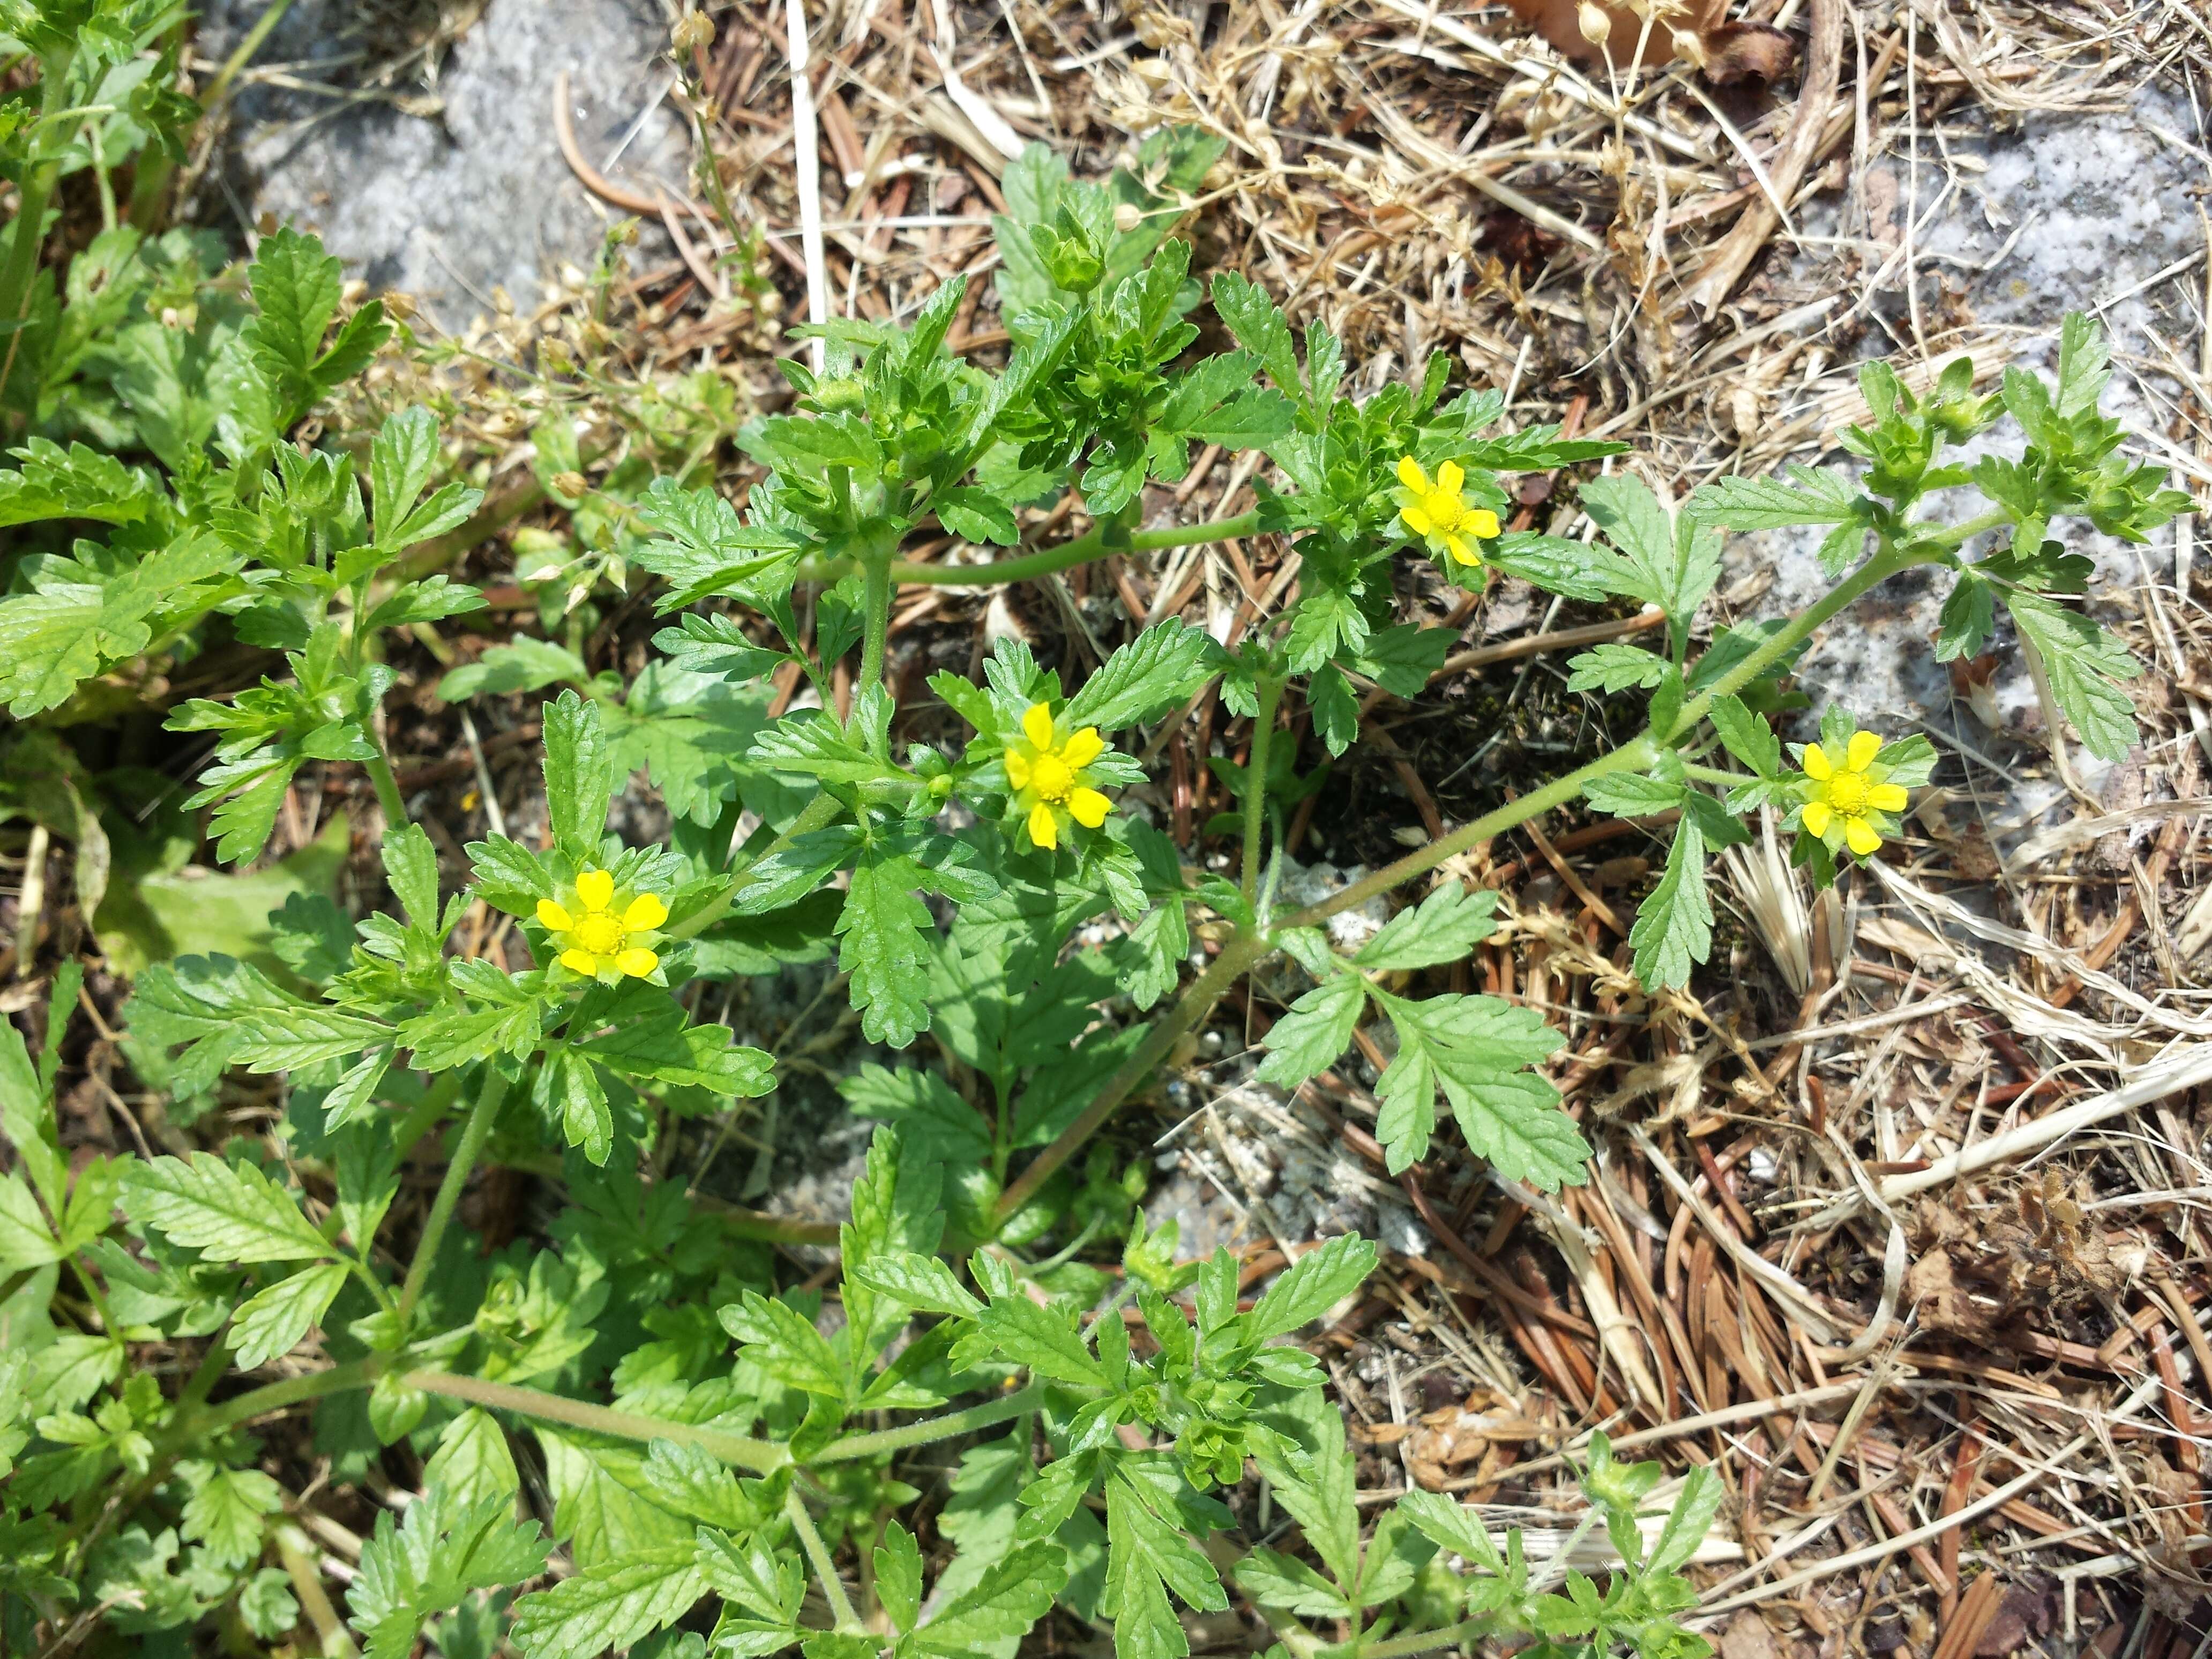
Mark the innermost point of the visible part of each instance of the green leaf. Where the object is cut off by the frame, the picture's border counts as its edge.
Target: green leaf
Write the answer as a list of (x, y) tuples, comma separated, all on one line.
[(2084, 363), (919, 1282), (25, 1241), (444, 1551), (524, 664), (609, 1605), (1673, 928), (1675, 562), (2084, 665), (977, 515), (1632, 794), (1011, 1596), (1690, 1520), (1478, 1049), (784, 1343), (1747, 736), (278, 1319), (1817, 496), (400, 461), (578, 774), (1260, 327), (1013, 1330), (230, 1212), (1148, 1556), (883, 929), (1572, 568), (473, 1461), (1443, 928), (1281, 1581), (1453, 1525), (1317, 1029), (79, 620), (1615, 666), (76, 482), (1314, 1284), (1335, 707), (898, 1576), (713, 645), (225, 1514), (1403, 660), (1143, 679)]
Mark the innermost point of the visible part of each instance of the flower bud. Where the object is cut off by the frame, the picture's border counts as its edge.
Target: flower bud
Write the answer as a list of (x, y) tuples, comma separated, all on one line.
[(1592, 20), (570, 484), (692, 31), (1690, 47), (1127, 215)]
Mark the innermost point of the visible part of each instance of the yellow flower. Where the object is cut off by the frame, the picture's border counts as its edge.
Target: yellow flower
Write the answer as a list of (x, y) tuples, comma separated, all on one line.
[(597, 940), (1439, 514), (1050, 787), (1850, 795)]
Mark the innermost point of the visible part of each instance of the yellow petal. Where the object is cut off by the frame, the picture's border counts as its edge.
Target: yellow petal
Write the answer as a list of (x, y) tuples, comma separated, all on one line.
[(1036, 725), (1859, 836), (1461, 552), (637, 962), (1483, 522), (1864, 746), (1084, 747), (1449, 478), (1090, 807), (1887, 798), (580, 961), (1818, 816), (1817, 765), (553, 918), (1043, 832), (1018, 769), (1411, 475), (1418, 521), (596, 888), (646, 910)]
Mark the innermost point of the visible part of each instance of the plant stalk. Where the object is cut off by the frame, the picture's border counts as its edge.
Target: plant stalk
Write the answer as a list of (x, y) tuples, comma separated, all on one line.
[(387, 789), (817, 1554), (32, 193), (1044, 561), (1256, 784), (474, 1133), (816, 814), (876, 618), (1427, 1641), (933, 1429), (1238, 954), (745, 1453)]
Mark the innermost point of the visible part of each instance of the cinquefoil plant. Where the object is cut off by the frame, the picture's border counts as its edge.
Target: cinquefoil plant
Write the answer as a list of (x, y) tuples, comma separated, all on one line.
[(716, 1489)]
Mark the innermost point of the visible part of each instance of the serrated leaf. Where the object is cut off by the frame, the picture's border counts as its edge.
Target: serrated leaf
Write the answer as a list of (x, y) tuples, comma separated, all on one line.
[(1614, 666), (1687, 1522), (1674, 928), (1768, 503), (225, 1514), (1014, 1330), (1478, 1049), (1443, 928), (609, 1605), (919, 1282), (1747, 736), (578, 774), (1316, 1030), (278, 1319), (524, 664), (882, 930), (446, 1550), (25, 1241), (1143, 679), (2084, 665), (473, 1461), (2084, 363), (1314, 1284), (228, 1212), (784, 1343)]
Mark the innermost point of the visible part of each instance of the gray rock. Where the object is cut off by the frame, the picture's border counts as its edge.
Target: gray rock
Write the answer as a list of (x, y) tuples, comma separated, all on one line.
[(471, 193), (2068, 212)]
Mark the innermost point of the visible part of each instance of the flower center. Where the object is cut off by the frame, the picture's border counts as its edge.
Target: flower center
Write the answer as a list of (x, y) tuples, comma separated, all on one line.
[(1051, 778), (1847, 793), (1445, 510), (599, 933)]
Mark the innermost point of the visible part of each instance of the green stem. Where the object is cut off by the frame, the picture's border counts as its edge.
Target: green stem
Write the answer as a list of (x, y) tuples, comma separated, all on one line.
[(1426, 1641), (875, 619), (193, 1428), (816, 814), (444, 1090), (1238, 954), (817, 1552), (742, 1450), (263, 27), (474, 1133), (933, 1429), (387, 789), (1256, 783), (1028, 567), (1958, 535)]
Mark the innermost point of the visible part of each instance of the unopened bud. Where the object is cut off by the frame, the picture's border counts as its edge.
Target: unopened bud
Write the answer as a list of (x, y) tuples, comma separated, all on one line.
[(1690, 47), (1592, 20), (1127, 215), (571, 484), (692, 31)]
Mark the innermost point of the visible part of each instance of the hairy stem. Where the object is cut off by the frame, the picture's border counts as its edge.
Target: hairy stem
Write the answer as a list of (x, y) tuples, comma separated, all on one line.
[(35, 189), (1256, 784), (742, 1450), (817, 1553), (1237, 955), (474, 1133), (933, 1429), (387, 789), (876, 618), (193, 1428), (818, 814), (1427, 1641)]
